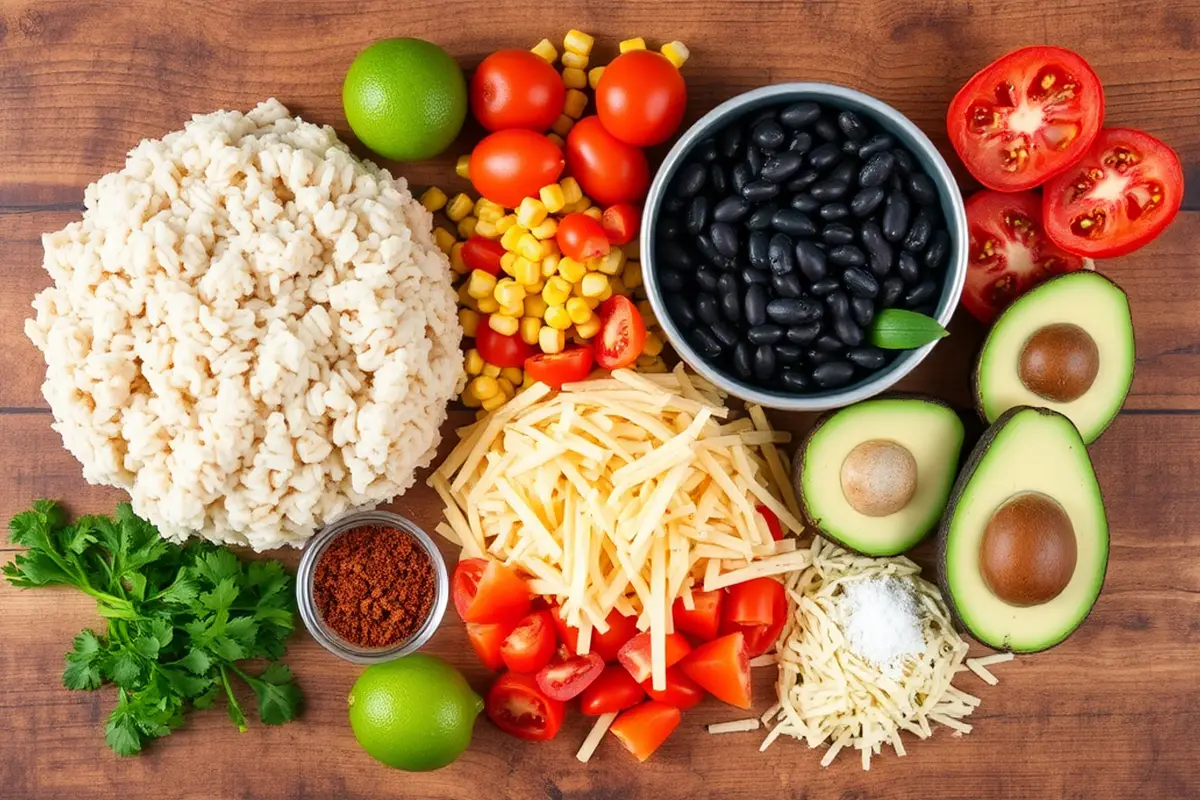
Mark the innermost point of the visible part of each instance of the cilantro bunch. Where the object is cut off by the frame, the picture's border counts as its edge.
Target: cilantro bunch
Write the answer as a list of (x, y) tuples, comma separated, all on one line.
[(180, 618)]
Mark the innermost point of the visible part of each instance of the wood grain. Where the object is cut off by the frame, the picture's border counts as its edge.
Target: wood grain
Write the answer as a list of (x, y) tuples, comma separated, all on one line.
[(1109, 714)]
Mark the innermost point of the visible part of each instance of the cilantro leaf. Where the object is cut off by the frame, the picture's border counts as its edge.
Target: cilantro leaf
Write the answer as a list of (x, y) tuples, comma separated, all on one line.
[(84, 662), (185, 684), (217, 565), (122, 732), (197, 661), (125, 669), (183, 591), (279, 699), (222, 596)]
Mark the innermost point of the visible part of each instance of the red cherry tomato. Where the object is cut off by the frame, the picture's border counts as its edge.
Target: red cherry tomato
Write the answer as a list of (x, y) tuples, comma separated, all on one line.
[(530, 645), (499, 349), (482, 254), (508, 166), (621, 223), (567, 634), (615, 690), (519, 708), (704, 620), (622, 333), (722, 667), (756, 603), (773, 524), (487, 591), (516, 89), (641, 98), (621, 629), (1026, 117), (580, 237), (486, 639), (555, 369), (564, 680), (642, 729), (1124, 192), (1009, 252), (609, 170), (681, 692), (635, 654)]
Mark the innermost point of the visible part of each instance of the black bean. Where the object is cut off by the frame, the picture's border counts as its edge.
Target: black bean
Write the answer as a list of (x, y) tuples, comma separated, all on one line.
[(704, 341), (877, 170), (739, 176), (863, 310), (792, 222), (707, 308), (867, 357), (788, 353), (825, 157), (853, 126), (764, 362), (826, 128), (837, 233), (726, 334), (921, 188), (669, 227), (896, 182), (758, 249), (802, 181), (708, 279), (828, 343), (867, 200), (760, 220), (793, 310), (731, 209), (800, 115), (760, 190), (860, 282), (800, 143), (779, 253), (674, 254), (673, 204), (768, 135), (831, 212), (838, 303), (824, 287), (755, 159), (829, 190), (845, 172), (805, 202), (765, 334), (939, 249), (811, 260), (708, 250), (718, 179), (907, 267), (833, 374), (751, 275), (697, 215), (850, 147), (706, 151), (920, 294), (727, 283), (691, 179), (781, 166), (848, 331), (890, 291), (732, 139), (927, 310), (743, 359), (919, 232), (847, 255), (762, 116), (905, 163), (724, 238), (879, 252), (803, 334), (787, 285), (816, 357), (681, 310), (895, 216), (876, 144), (671, 280), (795, 381), (731, 306), (755, 305)]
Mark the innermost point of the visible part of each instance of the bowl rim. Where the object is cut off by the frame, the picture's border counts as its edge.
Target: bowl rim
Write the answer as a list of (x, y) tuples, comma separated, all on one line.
[(891, 119)]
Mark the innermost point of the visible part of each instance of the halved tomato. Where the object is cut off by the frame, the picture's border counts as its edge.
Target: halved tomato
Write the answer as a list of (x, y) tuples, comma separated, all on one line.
[(681, 692), (635, 655), (1009, 252), (555, 369), (621, 223), (622, 333), (564, 680), (643, 728), (1026, 117), (1124, 192), (486, 640), (488, 591), (620, 630), (614, 690), (581, 238), (519, 708), (704, 620), (722, 667), (501, 349), (530, 645)]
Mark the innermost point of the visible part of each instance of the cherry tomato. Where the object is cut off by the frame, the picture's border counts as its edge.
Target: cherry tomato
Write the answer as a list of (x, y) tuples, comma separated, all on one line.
[(1009, 252), (487, 591), (1123, 193), (555, 369), (764, 607), (615, 690), (635, 654), (530, 645), (567, 634), (622, 333), (621, 223), (681, 692), (641, 98), (609, 170), (580, 237), (482, 254), (519, 708), (1026, 117), (642, 729), (516, 89), (704, 620), (564, 680), (486, 639), (499, 349), (773, 524), (722, 667), (508, 166), (621, 629)]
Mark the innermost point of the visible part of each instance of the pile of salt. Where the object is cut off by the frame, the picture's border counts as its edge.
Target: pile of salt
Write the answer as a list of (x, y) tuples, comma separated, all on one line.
[(881, 621)]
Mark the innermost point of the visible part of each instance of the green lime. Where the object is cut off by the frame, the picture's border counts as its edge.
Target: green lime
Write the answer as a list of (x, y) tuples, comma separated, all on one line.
[(406, 99), (415, 713)]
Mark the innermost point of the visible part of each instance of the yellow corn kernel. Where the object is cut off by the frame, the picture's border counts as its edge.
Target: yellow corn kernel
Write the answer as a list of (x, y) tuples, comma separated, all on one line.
[(535, 287), (594, 284), (577, 41), (571, 270), (529, 381), (434, 199), (636, 43), (469, 399), (617, 285), (589, 327), (676, 52), (508, 263), (535, 305), (578, 311), (643, 307), (531, 212), (546, 230), (576, 103), (529, 329), (574, 78), (614, 262), (504, 324), (550, 264), (556, 292), (633, 250), (513, 375), (546, 50), (508, 292), (456, 260), (527, 272), (594, 75), (593, 302), (631, 276), (459, 207), (462, 167), (608, 292), (491, 370), (511, 237), (487, 305), (473, 362), (484, 387), (530, 247), (552, 198), (574, 60), (558, 318), (595, 212), (507, 388), (481, 284), (466, 227), (505, 223), (464, 299), (492, 403), (444, 239), (556, 140), (650, 366), (469, 320), (515, 311), (551, 340), (552, 246), (581, 205), (653, 345), (571, 191), (562, 125), (486, 229), (481, 204)]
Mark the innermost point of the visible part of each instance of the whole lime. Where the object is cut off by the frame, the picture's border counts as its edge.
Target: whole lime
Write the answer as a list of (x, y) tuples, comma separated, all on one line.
[(406, 99), (415, 713)]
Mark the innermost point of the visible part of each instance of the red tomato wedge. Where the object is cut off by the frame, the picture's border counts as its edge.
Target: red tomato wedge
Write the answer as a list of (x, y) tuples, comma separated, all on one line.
[(1026, 117), (566, 679), (722, 667), (622, 333), (567, 634), (555, 369), (486, 639), (635, 655), (530, 645), (620, 630), (681, 692), (1124, 192), (756, 602), (773, 524), (1009, 252), (621, 223), (643, 728), (519, 708), (488, 591), (614, 690), (482, 254), (499, 349), (516, 89), (582, 238), (510, 165), (704, 620)]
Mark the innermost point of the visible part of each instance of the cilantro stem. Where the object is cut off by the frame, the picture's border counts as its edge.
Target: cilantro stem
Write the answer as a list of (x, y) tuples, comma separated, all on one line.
[(229, 693)]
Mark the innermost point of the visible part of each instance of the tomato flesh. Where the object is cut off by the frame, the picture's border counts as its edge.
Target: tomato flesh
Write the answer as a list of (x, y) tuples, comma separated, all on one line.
[(635, 655), (756, 602), (609, 170), (773, 524), (582, 238), (641, 98), (614, 690), (530, 645), (487, 591), (516, 89), (486, 640), (483, 254), (519, 708), (566, 679), (620, 630), (1125, 191), (682, 692), (510, 165), (642, 729), (567, 634), (722, 667), (621, 223), (1026, 116), (555, 369), (622, 333), (704, 620), (500, 349)]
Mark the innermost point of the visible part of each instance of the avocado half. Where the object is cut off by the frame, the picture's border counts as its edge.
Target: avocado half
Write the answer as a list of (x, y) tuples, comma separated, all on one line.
[(1097, 311), (1027, 452), (931, 434)]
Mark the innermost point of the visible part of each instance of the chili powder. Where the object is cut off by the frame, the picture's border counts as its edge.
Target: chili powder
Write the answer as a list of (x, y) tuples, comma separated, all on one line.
[(374, 586)]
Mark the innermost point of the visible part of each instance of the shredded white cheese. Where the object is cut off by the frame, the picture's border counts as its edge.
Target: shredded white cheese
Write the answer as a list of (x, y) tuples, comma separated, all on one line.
[(734, 726), (594, 736)]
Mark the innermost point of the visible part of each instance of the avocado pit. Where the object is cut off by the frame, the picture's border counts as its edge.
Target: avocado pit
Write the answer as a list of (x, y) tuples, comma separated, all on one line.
[(879, 477), (1028, 553), (1059, 362)]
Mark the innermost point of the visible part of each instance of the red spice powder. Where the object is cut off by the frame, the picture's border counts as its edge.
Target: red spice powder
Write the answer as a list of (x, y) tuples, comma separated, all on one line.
[(374, 586)]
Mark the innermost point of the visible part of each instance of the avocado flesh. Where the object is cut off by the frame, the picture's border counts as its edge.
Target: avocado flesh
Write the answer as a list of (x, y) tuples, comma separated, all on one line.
[(1027, 449), (930, 430), (1083, 298)]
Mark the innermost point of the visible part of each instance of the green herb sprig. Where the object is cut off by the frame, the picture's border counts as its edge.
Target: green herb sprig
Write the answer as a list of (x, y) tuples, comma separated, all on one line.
[(180, 618), (898, 329)]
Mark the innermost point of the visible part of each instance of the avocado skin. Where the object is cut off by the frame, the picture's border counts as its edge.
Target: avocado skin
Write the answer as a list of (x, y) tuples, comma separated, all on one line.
[(798, 464), (960, 483), (977, 396)]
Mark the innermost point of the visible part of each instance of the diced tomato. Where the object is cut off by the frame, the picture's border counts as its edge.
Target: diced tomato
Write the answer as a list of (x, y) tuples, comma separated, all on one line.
[(482, 254), (614, 690), (756, 601), (530, 645), (704, 620), (773, 524), (620, 630), (567, 634), (722, 667), (635, 655), (621, 223), (582, 238), (681, 692), (486, 639), (566, 679), (643, 728), (500, 349), (622, 333), (487, 591), (519, 708), (555, 369)]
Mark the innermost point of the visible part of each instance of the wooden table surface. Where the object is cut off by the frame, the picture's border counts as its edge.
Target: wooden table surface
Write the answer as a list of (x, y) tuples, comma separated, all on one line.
[(1112, 713)]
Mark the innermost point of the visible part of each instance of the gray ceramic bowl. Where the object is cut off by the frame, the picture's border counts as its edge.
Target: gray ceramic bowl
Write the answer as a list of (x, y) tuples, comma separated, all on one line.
[(887, 119)]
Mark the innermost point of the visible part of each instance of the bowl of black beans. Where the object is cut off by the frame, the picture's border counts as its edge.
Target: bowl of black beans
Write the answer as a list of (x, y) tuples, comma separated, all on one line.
[(781, 224)]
